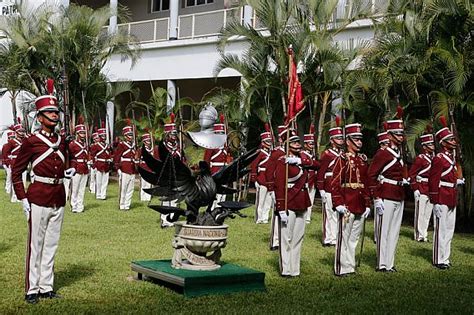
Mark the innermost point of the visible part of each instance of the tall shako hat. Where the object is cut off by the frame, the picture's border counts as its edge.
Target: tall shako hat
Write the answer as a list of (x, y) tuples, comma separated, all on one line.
[(266, 135), (395, 126), (281, 130), (383, 137), (427, 138), (292, 136), (336, 131), (80, 127), (353, 130), (444, 133), (128, 129), (102, 131), (171, 126), (18, 126), (309, 137), (220, 127), (10, 132), (47, 102), (95, 136)]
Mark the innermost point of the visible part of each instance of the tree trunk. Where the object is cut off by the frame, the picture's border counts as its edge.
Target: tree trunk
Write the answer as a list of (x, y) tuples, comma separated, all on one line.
[(13, 100)]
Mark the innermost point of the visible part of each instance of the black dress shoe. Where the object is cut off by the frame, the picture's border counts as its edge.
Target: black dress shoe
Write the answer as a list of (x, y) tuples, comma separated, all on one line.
[(327, 245), (31, 298), (392, 270), (273, 248), (442, 266), (50, 295), (381, 270)]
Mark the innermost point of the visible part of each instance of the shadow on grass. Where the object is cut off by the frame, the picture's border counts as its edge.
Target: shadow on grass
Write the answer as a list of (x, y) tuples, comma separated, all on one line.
[(4, 247), (465, 249), (72, 273), (406, 233), (423, 252)]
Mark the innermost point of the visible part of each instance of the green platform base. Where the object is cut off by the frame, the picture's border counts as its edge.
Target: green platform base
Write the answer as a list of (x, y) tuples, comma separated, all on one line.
[(229, 278)]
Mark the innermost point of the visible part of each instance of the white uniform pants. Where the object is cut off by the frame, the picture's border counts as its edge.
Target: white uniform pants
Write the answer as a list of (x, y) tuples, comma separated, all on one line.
[(263, 204), (92, 180), (127, 184), (423, 210), (43, 238), (144, 185), (13, 195), (219, 198), (8, 179), (348, 234), (164, 221), (67, 187), (443, 235), (312, 193), (275, 223), (101, 183), (389, 230), (78, 188), (291, 240), (329, 222)]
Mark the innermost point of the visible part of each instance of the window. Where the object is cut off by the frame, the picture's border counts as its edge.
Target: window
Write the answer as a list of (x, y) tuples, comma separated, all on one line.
[(160, 5), (191, 3)]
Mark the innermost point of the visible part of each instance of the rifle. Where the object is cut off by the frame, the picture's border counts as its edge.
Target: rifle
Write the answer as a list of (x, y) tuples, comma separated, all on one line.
[(181, 126), (458, 151), (404, 148)]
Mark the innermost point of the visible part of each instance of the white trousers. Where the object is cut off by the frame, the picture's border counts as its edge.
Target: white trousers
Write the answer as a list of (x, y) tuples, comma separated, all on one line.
[(144, 185), (164, 221), (13, 195), (127, 184), (78, 188), (101, 183), (443, 235), (8, 179), (348, 235), (43, 239), (291, 241), (262, 204), (219, 198), (388, 233), (275, 223), (329, 222), (92, 180), (423, 210), (312, 193), (67, 187)]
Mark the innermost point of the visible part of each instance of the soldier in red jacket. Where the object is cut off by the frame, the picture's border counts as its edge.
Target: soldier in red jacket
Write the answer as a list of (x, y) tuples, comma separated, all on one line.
[(323, 181), (292, 201), (125, 163), (101, 155), (384, 142), (79, 155), (308, 152), (217, 158), (146, 139), (263, 200), (386, 183), (351, 200), (91, 164), (44, 201), (6, 152), (15, 145), (270, 176), (419, 172), (442, 183)]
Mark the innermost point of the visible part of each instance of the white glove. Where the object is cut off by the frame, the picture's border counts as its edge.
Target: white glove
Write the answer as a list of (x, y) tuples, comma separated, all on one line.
[(89, 163), (437, 210), (417, 194), (341, 209), (272, 197), (119, 172), (461, 181), (293, 160), (405, 182), (378, 205), (283, 217), (26, 207), (69, 173), (324, 198), (366, 214)]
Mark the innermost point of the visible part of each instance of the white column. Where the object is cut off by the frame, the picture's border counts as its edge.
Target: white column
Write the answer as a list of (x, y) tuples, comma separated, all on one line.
[(171, 98), (248, 15), (174, 10), (113, 18)]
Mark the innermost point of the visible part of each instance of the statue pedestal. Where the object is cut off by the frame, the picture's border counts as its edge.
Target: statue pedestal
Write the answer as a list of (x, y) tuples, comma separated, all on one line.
[(198, 247), (229, 278)]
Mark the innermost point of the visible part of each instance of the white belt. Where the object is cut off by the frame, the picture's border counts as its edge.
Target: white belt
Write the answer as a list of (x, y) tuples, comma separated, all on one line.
[(217, 164), (126, 160), (12, 156), (80, 160), (446, 184), (261, 169), (420, 179), (327, 174), (48, 180), (103, 160), (390, 181), (291, 185)]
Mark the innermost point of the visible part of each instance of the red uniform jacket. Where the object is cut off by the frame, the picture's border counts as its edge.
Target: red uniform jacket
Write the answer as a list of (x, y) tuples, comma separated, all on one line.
[(442, 180), (6, 152), (216, 158), (51, 166), (419, 172), (175, 151), (325, 173), (387, 164), (79, 156), (305, 155), (13, 150), (271, 167), (124, 157), (101, 156), (258, 167), (298, 197), (349, 185), (153, 150)]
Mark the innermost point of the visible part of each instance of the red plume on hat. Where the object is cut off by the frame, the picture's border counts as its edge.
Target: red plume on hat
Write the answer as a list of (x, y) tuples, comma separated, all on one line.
[(222, 118), (385, 126), (443, 121), (102, 124), (338, 121), (19, 120), (80, 120), (172, 117), (311, 128), (128, 122), (50, 86), (267, 127), (429, 128), (399, 112)]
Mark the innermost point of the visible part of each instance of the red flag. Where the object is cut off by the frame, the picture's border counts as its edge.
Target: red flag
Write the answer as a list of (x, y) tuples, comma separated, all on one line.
[(295, 91)]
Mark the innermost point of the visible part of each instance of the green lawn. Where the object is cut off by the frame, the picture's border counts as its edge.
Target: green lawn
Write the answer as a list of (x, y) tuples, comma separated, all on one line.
[(93, 269)]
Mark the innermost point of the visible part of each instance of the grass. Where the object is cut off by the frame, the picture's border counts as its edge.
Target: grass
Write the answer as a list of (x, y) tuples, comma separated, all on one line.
[(93, 269)]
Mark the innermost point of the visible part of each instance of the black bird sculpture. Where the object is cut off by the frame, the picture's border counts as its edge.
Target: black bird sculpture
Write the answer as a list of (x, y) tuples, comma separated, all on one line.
[(174, 180)]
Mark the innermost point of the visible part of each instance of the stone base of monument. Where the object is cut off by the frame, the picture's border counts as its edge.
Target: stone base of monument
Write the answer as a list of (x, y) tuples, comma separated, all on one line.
[(229, 278)]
